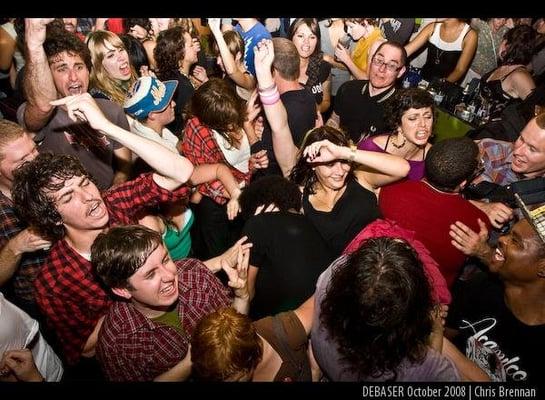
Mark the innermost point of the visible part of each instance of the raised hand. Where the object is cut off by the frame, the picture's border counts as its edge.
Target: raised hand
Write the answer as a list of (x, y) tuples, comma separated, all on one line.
[(238, 275), (83, 107), (28, 241), (35, 29), (264, 55), (468, 241), (215, 25), (322, 151)]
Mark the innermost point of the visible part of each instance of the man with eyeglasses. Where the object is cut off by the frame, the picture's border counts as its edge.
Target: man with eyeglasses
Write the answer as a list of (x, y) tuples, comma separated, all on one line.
[(359, 104)]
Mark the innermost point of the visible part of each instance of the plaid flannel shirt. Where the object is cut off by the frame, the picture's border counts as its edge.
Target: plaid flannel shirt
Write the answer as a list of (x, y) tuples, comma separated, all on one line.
[(132, 347), (497, 156), (200, 147), (68, 293)]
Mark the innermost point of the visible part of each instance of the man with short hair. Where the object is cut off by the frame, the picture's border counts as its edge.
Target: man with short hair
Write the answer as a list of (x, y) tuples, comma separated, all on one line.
[(55, 194), (22, 248), (430, 206), (58, 65), (146, 335), (506, 162), (359, 104), (500, 323)]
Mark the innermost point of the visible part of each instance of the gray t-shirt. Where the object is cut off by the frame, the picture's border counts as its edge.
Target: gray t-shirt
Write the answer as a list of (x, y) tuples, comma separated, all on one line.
[(435, 367), (94, 150)]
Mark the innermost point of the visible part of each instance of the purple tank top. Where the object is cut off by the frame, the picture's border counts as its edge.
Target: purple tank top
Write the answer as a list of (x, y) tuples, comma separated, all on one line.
[(417, 167)]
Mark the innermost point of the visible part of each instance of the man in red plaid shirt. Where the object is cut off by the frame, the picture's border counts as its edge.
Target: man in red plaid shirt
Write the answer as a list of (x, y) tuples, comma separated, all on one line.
[(54, 194), (146, 335)]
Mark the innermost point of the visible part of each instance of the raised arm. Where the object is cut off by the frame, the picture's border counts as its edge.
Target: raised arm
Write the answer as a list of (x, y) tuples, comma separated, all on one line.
[(284, 148), (242, 79), (38, 82), (469, 46), (172, 170), (420, 40), (376, 169)]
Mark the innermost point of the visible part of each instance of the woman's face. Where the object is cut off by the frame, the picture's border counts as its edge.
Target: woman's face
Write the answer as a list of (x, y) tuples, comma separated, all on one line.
[(138, 32), (191, 49), (356, 31), (332, 175), (498, 23), (416, 125), (116, 62), (305, 41)]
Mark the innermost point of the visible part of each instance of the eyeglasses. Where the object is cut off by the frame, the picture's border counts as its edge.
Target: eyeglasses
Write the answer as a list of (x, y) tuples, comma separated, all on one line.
[(391, 67)]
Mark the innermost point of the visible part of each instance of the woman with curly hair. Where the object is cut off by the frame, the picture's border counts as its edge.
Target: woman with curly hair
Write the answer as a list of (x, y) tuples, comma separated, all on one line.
[(141, 29), (410, 116), (315, 73), (511, 80), (112, 74), (373, 318)]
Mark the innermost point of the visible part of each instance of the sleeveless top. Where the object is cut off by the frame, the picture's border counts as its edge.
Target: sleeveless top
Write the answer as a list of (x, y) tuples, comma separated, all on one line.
[(355, 209), (417, 170), (442, 56), (238, 158), (361, 52), (493, 93)]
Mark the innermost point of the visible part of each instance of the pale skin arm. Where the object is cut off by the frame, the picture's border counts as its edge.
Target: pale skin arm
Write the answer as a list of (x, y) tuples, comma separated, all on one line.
[(90, 344), (172, 170), (238, 280), (10, 255), (497, 213), (246, 81), (378, 170), (230, 256), (7, 48), (469, 46), (467, 368), (285, 150), (470, 242), (326, 100), (38, 81), (343, 55), (420, 40), (179, 373)]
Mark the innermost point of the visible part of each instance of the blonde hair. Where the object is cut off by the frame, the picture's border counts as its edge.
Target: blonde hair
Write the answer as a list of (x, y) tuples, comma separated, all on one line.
[(96, 41), (9, 131)]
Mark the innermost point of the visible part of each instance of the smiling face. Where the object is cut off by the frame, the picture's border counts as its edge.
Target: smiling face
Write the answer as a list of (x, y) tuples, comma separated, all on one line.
[(529, 151), (381, 76), (517, 256), (116, 62), (416, 125), (332, 175), (154, 286), (305, 41), (70, 74), (80, 206)]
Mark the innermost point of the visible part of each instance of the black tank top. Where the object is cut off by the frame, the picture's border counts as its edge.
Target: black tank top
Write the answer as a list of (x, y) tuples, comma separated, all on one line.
[(493, 93)]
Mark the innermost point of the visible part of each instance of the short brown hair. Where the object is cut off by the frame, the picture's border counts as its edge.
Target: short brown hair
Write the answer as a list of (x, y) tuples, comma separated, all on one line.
[(9, 131), (224, 344), (540, 121), (286, 59), (119, 252)]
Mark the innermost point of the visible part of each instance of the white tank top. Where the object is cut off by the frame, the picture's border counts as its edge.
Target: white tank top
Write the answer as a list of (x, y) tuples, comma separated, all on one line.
[(238, 158), (436, 40)]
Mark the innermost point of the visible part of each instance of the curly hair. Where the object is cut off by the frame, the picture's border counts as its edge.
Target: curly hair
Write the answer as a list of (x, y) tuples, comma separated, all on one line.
[(145, 23), (100, 79), (169, 51), (59, 40), (520, 42), (119, 252), (225, 345), (268, 190), (450, 162), (402, 101), (378, 306), (316, 58), (302, 173), (31, 187), (216, 105)]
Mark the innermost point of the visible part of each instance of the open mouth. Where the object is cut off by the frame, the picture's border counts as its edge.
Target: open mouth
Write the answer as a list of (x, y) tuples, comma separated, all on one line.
[(75, 89), (95, 210), (125, 69), (168, 290), (498, 255)]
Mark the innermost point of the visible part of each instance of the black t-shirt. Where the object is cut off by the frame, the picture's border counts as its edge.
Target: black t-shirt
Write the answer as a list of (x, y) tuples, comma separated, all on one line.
[(359, 113), (480, 315), (315, 84), (354, 210), (398, 30), (301, 109), (290, 255)]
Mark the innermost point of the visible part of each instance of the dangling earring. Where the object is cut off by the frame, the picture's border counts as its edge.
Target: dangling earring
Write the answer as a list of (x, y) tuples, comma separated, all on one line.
[(394, 142)]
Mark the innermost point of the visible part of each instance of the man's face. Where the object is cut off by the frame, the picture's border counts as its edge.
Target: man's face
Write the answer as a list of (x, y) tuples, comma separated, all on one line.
[(70, 74), (385, 75), (70, 24), (517, 255), (166, 116), (15, 154), (529, 151), (80, 205), (155, 284)]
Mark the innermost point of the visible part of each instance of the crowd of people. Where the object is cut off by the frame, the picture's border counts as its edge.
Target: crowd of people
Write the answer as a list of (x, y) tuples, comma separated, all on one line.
[(264, 200)]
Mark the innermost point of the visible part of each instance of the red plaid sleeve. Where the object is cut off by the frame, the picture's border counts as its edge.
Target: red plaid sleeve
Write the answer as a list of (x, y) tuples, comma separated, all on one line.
[(128, 199), (200, 147)]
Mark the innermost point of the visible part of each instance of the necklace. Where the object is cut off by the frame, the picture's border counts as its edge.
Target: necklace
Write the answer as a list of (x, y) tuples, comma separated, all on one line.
[(398, 146)]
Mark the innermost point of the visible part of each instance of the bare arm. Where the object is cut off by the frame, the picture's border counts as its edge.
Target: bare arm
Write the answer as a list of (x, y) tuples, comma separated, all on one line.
[(90, 344), (180, 372), (305, 313), (326, 100), (38, 82), (497, 213), (172, 170), (10, 255), (342, 54), (7, 48), (420, 40), (469, 46), (284, 148), (467, 368)]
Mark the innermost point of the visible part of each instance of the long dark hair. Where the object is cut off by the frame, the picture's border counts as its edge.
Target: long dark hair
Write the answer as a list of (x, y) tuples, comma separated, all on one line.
[(377, 308), (315, 60)]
